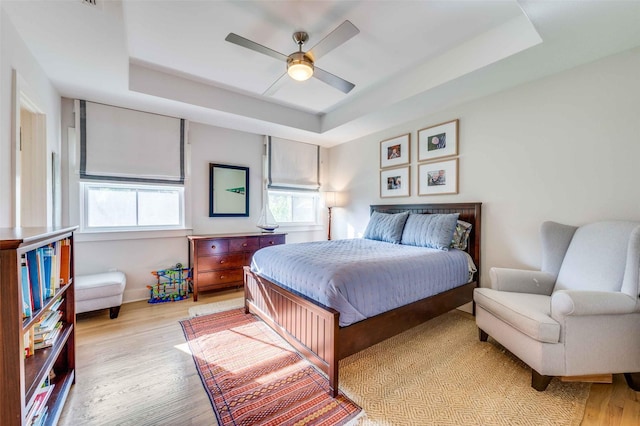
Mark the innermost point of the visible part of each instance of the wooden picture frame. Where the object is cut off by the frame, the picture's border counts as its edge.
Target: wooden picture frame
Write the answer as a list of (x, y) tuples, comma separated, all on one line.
[(438, 177), (228, 190), (395, 151), (395, 182), (438, 141)]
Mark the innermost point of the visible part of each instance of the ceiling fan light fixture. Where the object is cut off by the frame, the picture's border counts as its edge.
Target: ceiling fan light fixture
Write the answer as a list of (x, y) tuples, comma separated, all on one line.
[(299, 67)]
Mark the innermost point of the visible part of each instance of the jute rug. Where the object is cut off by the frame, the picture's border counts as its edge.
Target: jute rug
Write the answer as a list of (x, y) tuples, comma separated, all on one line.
[(253, 377), (439, 373), (215, 307)]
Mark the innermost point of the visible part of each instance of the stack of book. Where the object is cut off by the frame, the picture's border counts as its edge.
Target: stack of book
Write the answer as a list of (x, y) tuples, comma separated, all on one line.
[(44, 333)]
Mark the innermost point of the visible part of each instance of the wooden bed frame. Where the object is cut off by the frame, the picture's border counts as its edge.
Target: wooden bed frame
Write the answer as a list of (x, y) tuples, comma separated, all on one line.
[(313, 329)]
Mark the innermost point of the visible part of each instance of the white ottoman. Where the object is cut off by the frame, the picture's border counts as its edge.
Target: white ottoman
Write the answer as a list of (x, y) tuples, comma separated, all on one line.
[(100, 291)]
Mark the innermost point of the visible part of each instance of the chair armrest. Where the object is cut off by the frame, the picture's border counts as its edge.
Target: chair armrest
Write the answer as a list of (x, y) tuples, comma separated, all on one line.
[(582, 302), (521, 281)]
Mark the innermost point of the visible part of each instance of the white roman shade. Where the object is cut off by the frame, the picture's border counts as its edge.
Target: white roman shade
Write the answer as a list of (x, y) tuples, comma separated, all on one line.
[(293, 165), (119, 144)]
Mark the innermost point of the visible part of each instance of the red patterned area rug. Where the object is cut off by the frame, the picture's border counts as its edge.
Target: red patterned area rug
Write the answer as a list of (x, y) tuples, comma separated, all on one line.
[(253, 377)]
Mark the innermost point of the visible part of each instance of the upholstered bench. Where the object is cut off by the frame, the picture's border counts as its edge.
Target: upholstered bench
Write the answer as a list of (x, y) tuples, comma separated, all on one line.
[(100, 291)]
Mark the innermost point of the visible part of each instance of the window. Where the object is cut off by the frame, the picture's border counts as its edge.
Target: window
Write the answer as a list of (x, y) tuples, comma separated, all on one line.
[(294, 208), (110, 206)]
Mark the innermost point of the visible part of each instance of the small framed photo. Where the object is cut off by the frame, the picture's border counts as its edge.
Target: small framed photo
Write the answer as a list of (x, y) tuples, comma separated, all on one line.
[(395, 151), (438, 178), (395, 182), (438, 141)]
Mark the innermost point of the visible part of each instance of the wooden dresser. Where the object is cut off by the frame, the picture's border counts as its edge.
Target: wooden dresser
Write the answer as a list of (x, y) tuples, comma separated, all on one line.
[(216, 260)]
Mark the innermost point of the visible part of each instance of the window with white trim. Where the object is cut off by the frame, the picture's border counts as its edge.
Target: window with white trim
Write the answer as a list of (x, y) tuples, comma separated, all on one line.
[(293, 180), (294, 207), (132, 169), (109, 206)]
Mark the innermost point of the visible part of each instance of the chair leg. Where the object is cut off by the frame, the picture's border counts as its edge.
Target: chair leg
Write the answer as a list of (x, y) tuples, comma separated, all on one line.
[(633, 380), (114, 311), (538, 381), (482, 335)]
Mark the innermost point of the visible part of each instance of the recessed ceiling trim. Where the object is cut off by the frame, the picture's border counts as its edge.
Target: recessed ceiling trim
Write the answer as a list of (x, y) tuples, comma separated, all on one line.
[(157, 83), (490, 47)]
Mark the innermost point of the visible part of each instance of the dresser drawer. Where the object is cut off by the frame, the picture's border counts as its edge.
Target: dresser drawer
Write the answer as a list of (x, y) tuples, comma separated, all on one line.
[(244, 244), (223, 261), (219, 278), (209, 247), (271, 240)]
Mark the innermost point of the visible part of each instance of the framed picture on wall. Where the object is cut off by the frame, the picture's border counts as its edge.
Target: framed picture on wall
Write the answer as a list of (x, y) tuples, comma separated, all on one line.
[(395, 151), (395, 182), (438, 141), (438, 178), (228, 190)]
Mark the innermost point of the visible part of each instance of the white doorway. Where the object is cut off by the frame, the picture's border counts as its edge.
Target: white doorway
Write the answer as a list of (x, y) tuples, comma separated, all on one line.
[(32, 166)]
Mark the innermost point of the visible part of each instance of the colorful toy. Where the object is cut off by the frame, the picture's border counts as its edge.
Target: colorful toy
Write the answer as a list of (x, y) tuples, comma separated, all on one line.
[(172, 284)]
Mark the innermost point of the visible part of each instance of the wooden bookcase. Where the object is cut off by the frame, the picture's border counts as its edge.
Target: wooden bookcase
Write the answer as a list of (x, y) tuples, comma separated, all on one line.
[(20, 376)]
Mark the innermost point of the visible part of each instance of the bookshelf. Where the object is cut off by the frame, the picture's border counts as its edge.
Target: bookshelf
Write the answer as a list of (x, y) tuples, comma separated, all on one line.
[(23, 377)]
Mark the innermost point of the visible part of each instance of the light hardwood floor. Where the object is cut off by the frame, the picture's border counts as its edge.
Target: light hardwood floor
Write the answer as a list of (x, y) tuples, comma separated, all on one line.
[(135, 371)]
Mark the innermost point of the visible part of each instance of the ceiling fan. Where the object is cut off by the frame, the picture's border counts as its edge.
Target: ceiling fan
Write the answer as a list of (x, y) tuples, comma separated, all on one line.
[(300, 64)]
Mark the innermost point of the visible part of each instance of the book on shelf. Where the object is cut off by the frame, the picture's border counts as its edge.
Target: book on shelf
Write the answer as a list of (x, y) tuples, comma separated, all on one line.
[(48, 324), (27, 299), (29, 342), (46, 269), (34, 279), (37, 411), (46, 256), (65, 261), (48, 339)]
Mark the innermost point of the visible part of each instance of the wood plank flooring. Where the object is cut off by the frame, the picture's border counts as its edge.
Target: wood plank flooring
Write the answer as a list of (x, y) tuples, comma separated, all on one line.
[(135, 370)]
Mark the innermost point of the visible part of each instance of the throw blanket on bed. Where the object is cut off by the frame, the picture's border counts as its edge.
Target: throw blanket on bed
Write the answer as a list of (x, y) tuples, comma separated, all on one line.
[(362, 278)]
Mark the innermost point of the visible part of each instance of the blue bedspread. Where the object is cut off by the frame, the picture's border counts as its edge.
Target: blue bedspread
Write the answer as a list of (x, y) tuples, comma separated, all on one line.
[(362, 278)]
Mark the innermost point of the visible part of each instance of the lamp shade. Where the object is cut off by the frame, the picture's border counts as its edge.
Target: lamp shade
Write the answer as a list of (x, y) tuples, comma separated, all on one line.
[(299, 67), (331, 198)]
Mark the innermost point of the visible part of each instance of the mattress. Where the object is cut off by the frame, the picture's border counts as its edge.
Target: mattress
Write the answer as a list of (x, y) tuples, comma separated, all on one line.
[(362, 278)]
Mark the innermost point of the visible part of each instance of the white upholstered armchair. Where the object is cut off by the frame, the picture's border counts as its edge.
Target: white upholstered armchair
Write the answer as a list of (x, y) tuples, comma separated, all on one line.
[(579, 315)]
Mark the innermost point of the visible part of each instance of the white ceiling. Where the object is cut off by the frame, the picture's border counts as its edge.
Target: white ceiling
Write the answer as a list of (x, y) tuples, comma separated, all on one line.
[(410, 58)]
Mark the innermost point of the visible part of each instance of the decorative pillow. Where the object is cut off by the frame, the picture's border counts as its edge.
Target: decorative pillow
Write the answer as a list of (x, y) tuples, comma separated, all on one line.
[(430, 230), (386, 227), (461, 235)]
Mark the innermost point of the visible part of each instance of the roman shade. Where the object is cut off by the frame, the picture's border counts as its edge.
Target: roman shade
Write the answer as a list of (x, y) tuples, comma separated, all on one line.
[(119, 144), (293, 165)]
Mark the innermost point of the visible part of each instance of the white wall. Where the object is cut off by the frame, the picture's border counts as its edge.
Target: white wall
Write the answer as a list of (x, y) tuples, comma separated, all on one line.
[(564, 148), (14, 55), (140, 253)]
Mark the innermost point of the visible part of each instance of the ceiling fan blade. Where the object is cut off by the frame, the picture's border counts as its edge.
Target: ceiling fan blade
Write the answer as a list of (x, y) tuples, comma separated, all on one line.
[(276, 85), (333, 80), (335, 38), (241, 41)]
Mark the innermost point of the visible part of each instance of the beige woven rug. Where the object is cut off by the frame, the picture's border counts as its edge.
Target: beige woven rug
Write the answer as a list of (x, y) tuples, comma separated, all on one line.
[(215, 307), (439, 373)]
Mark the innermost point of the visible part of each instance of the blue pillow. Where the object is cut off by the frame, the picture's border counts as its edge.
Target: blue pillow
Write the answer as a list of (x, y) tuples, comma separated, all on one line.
[(430, 230), (386, 227)]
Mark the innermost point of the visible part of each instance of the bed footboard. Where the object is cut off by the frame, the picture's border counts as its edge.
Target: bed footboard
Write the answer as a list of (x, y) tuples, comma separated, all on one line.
[(309, 328)]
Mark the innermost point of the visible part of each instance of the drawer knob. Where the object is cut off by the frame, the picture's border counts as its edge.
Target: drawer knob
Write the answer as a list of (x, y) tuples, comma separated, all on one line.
[(271, 243), (213, 246), (222, 277), (244, 244), (221, 262)]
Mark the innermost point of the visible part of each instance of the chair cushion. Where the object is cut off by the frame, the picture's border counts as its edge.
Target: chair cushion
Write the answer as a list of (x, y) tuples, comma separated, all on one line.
[(94, 286), (527, 313)]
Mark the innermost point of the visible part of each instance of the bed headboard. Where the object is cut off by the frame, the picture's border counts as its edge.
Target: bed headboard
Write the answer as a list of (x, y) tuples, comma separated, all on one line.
[(469, 212)]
